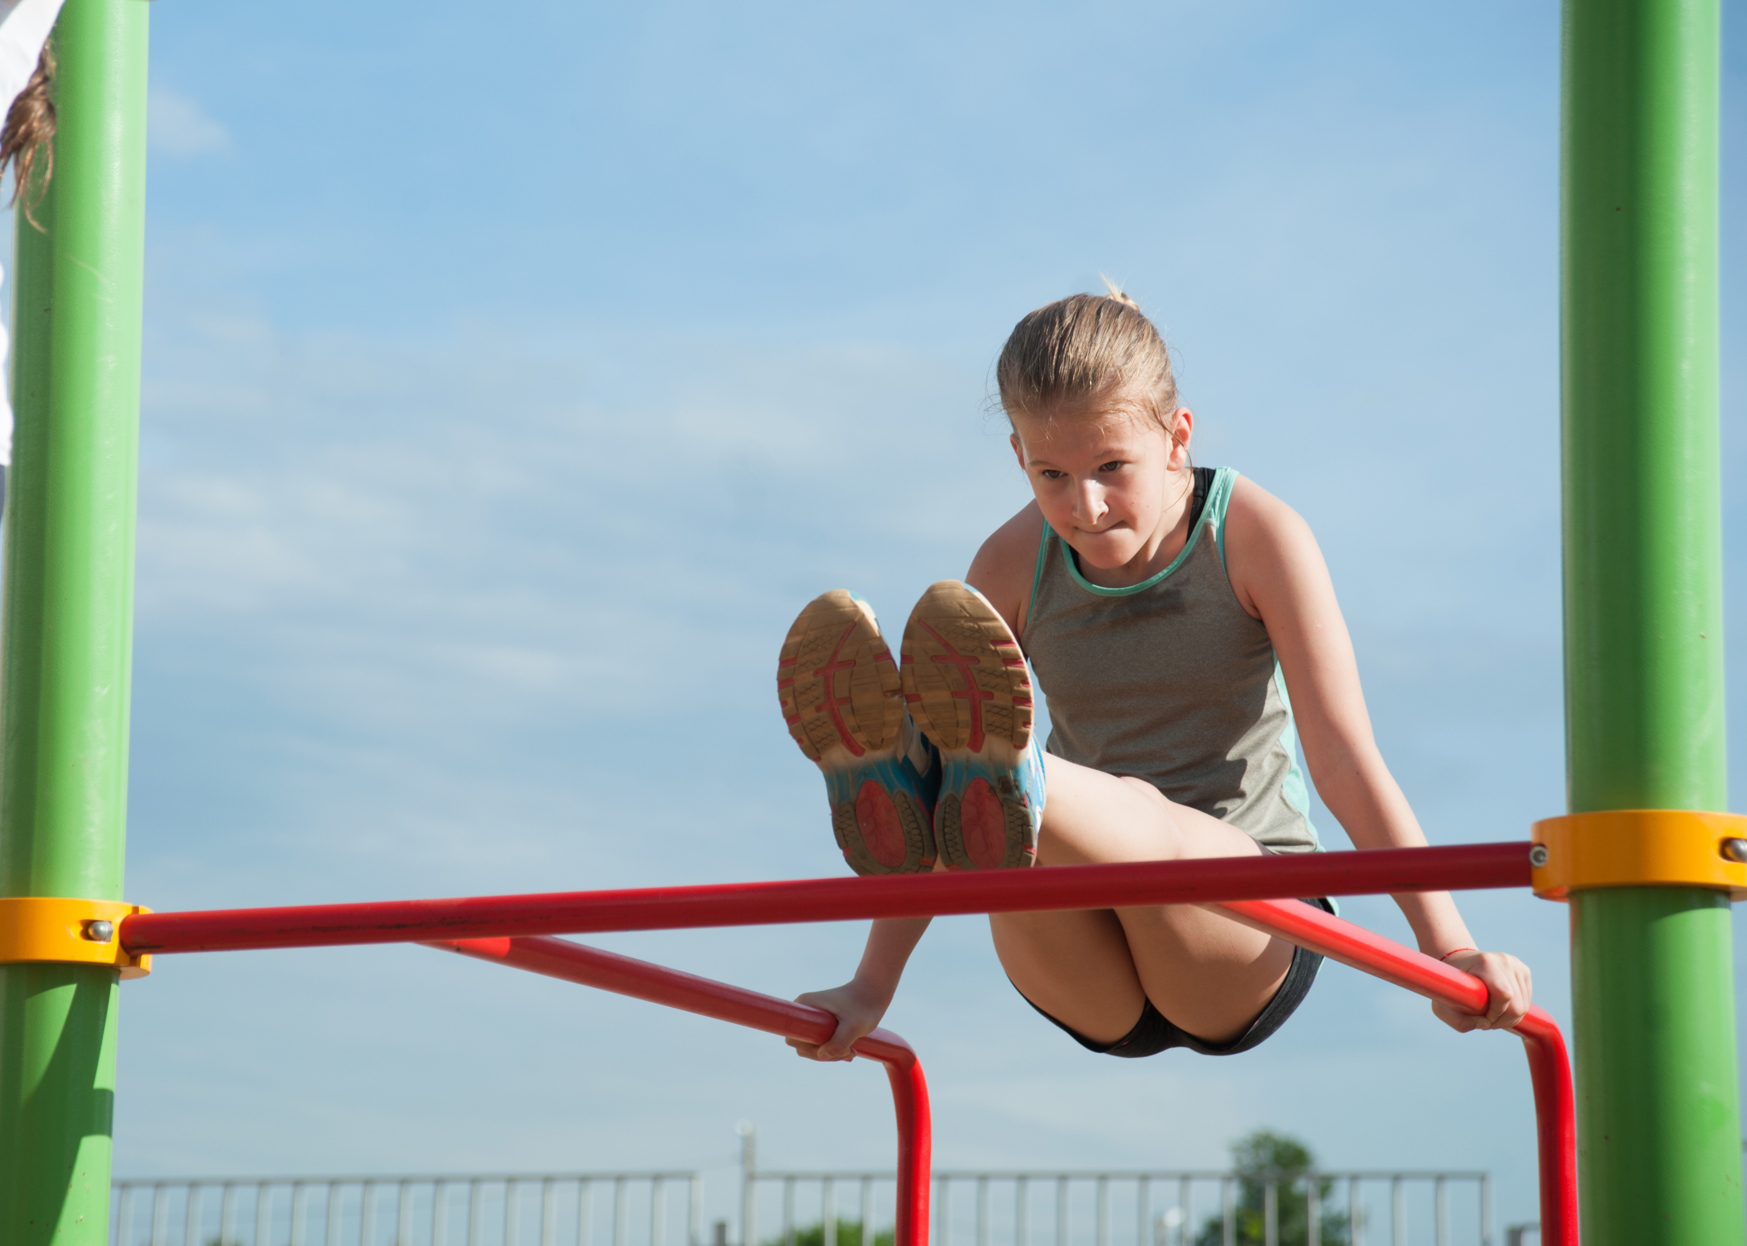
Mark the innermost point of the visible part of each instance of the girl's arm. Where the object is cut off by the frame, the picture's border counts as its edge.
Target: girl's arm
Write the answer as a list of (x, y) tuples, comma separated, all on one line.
[(1278, 574), (859, 1003)]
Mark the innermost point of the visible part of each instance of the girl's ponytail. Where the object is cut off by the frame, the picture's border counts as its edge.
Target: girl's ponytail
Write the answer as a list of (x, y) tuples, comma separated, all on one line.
[(25, 138)]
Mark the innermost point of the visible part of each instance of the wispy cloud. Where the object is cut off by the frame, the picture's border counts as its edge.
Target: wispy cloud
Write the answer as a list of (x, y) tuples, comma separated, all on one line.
[(177, 125)]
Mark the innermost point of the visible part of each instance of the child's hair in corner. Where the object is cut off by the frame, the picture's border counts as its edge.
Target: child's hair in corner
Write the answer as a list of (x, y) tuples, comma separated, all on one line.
[(1084, 349), (25, 138)]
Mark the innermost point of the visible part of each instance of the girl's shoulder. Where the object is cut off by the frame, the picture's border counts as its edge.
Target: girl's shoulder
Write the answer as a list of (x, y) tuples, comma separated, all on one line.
[(1253, 507), (1265, 541), (1004, 567)]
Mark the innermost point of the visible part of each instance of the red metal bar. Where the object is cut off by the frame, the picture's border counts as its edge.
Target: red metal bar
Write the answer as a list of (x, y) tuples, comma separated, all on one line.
[(1202, 881), (1549, 1067), (559, 958)]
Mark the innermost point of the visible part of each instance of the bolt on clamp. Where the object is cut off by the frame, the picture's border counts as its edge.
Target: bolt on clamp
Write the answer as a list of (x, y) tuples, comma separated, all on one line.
[(1640, 848), (81, 932)]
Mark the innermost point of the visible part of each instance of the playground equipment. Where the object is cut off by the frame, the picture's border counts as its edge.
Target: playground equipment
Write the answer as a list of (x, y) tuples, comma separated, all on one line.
[(1648, 867), (488, 923)]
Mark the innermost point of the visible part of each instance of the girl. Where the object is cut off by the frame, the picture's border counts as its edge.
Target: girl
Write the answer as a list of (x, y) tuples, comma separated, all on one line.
[(1184, 627)]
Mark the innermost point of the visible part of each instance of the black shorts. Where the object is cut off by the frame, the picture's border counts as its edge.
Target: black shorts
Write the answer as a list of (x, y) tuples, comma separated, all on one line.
[(1154, 1033)]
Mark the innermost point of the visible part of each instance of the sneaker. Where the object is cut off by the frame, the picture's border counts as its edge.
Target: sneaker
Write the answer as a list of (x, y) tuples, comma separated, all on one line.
[(841, 695), (967, 686)]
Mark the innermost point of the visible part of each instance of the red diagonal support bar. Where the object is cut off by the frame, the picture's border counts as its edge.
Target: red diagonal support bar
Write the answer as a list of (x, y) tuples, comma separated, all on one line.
[(1200, 881), (1549, 1066), (559, 958)]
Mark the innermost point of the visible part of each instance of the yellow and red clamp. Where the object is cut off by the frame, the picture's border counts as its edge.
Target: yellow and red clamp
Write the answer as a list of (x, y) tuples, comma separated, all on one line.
[(81, 932), (1640, 848)]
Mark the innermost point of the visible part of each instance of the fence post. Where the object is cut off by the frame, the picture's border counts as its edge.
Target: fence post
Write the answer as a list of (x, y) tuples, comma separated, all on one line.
[(749, 1185)]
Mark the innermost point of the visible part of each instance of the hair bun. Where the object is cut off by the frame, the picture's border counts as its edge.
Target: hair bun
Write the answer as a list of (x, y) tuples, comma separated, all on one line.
[(1117, 294)]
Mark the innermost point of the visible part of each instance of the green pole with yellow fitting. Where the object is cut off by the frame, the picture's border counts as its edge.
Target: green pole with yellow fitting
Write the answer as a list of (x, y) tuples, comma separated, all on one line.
[(1653, 998), (66, 627)]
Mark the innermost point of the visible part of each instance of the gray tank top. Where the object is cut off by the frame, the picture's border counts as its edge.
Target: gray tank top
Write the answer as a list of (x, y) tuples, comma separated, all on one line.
[(1171, 681)]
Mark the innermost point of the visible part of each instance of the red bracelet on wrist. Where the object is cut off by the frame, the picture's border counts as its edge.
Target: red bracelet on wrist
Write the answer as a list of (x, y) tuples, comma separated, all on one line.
[(1446, 956)]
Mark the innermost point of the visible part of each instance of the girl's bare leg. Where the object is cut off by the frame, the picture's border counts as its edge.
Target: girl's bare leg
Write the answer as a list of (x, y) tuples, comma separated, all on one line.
[(1093, 970)]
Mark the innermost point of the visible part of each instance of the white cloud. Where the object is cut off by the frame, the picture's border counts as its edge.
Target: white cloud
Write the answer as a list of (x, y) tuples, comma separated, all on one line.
[(177, 125)]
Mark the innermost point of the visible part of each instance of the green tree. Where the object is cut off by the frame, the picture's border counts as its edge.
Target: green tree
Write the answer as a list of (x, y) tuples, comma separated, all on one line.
[(848, 1234), (1263, 1155)]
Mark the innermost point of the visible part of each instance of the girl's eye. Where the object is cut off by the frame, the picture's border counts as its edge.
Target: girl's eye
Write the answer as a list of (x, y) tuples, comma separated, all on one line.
[(1050, 473), (1112, 466)]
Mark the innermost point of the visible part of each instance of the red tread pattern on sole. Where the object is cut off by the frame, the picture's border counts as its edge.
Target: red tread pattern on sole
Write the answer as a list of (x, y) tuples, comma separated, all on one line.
[(982, 825), (833, 702), (876, 818), (973, 694)]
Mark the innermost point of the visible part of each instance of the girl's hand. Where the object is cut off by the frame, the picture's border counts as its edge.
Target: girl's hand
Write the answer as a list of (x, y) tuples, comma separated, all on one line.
[(1508, 992), (857, 1011)]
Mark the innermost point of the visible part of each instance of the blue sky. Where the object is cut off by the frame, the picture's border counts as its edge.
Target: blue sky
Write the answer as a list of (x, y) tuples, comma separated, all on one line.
[(513, 375)]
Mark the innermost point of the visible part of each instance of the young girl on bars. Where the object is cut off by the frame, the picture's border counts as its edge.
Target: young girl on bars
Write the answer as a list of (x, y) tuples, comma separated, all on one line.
[(1183, 625)]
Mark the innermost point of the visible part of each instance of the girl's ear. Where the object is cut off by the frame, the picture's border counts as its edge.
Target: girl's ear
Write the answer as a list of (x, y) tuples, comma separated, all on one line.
[(1182, 429), (1018, 450)]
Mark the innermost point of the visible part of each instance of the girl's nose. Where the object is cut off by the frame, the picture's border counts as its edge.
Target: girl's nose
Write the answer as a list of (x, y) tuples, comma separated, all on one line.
[(1089, 507)]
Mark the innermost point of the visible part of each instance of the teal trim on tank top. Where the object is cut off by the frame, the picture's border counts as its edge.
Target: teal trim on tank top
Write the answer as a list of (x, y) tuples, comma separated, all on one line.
[(1224, 481), (1218, 497), (1293, 787), (1037, 576)]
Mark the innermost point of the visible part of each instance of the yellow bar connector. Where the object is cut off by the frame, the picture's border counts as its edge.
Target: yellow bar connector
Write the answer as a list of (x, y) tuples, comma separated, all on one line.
[(1640, 848), (83, 932)]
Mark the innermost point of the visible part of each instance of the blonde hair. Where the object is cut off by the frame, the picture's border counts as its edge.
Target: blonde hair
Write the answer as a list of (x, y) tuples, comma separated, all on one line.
[(1084, 349), (28, 133)]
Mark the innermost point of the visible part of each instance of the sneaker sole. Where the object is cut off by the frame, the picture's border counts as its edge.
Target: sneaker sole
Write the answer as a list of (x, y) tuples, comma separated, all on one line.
[(967, 687), (842, 699)]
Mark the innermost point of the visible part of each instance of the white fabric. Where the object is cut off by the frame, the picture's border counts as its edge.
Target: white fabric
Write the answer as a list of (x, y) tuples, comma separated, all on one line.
[(24, 28)]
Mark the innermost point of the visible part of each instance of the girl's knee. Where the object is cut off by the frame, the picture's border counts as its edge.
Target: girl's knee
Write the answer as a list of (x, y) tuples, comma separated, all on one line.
[(1146, 791)]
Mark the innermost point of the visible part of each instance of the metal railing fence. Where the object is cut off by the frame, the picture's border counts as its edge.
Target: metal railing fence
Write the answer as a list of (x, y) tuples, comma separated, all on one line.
[(576, 1209), (1367, 1208), (1378, 1208)]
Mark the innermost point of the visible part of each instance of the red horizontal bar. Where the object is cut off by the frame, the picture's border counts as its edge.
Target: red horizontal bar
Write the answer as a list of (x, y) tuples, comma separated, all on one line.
[(572, 962), (625, 975), (1202, 881), (1549, 1065)]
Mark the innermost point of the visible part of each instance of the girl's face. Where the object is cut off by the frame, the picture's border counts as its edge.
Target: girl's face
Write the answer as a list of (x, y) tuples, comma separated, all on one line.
[(1107, 482)]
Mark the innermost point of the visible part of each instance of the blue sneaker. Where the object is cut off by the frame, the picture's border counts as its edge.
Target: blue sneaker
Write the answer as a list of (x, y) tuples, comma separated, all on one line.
[(842, 698), (967, 686)]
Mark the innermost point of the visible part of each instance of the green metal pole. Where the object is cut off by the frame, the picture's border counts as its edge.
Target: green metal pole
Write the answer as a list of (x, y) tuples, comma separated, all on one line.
[(1659, 1136), (66, 626)]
